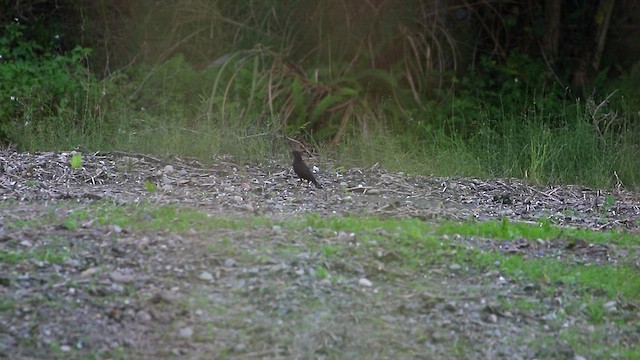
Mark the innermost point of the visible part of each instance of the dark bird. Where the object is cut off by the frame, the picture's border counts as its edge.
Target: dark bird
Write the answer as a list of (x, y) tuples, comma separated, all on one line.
[(302, 170)]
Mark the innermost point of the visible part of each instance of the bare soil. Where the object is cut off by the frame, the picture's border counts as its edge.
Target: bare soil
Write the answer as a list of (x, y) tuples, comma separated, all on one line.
[(96, 290)]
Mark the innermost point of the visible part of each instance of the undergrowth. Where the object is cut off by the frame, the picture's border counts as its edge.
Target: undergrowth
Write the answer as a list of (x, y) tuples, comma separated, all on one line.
[(493, 122)]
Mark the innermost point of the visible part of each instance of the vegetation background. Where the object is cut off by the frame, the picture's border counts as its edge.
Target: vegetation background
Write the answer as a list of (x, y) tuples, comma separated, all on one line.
[(544, 90)]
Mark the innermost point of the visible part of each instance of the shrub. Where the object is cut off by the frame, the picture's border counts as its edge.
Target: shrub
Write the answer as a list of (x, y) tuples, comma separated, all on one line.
[(41, 88)]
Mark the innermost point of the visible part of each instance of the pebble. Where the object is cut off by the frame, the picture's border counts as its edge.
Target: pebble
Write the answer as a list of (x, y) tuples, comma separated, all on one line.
[(116, 288), (365, 282), (206, 276), (119, 277), (455, 267), (247, 207), (166, 188), (229, 263), (610, 306), (240, 347), (237, 199), (186, 332), (143, 316)]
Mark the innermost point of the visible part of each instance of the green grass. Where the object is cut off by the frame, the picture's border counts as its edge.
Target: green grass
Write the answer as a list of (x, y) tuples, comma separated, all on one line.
[(543, 230), (609, 280), (418, 244), (6, 305), (49, 255)]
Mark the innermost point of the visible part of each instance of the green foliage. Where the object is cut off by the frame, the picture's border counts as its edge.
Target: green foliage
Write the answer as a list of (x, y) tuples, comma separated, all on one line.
[(76, 161), (151, 187), (374, 88), (42, 91), (321, 273)]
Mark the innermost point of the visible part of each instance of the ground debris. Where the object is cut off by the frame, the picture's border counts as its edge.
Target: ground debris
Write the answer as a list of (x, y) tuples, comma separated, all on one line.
[(81, 287)]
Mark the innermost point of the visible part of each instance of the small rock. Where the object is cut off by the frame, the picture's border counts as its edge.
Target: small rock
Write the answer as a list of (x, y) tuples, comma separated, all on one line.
[(116, 288), (610, 306), (346, 236), (166, 188), (143, 316), (455, 267), (247, 208), (451, 306), (492, 318), (65, 348), (163, 297), (578, 357), (365, 282), (240, 348), (26, 243), (437, 337), (186, 332), (168, 169), (119, 277), (206, 276), (237, 199), (229, 263)]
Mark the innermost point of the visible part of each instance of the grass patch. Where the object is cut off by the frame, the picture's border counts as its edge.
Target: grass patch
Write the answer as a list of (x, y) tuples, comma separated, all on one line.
[(417, 243), (168, 217), (48, 254), (543, 230), (610, 281)]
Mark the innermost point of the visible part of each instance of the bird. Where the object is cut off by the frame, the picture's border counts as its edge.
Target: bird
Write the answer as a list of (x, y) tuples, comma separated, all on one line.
[(301, 169)]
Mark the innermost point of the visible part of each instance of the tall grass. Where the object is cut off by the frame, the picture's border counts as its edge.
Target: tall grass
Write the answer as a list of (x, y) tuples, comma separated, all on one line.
[(365, 90)]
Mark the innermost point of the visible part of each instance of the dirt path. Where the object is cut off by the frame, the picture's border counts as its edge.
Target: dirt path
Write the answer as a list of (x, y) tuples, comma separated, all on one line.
[(82, 287)]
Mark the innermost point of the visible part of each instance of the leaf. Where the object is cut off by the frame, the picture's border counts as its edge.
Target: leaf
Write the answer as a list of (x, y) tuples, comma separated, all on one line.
[(347, 91), (323, 105), (299, 101), (382, 76), (76, 161), (151, 187)]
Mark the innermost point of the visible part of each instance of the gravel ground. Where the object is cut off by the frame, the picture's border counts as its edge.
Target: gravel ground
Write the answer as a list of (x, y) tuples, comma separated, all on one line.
[(93, 289)]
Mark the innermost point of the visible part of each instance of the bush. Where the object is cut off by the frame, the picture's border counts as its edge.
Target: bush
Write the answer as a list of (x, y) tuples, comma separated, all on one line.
[(40, 88)]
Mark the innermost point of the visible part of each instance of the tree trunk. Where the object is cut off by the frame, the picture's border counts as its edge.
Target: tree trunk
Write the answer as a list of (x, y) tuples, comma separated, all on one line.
[(552, 14)]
